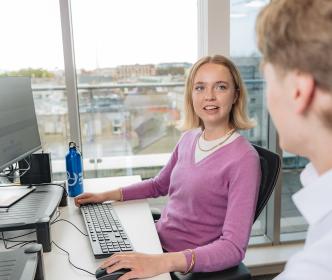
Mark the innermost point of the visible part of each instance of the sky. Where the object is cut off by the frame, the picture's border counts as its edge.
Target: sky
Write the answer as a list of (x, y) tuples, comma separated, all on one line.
[(108, 33)]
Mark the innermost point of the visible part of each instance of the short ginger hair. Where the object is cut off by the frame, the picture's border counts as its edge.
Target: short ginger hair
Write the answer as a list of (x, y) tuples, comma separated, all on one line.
[(297, 35)]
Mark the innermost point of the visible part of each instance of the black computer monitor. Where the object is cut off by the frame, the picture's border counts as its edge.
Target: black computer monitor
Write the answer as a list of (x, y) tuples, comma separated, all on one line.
[(19, 135)]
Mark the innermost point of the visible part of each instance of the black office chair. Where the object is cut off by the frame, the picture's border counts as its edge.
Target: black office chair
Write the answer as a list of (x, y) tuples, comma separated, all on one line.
[(270, 167)]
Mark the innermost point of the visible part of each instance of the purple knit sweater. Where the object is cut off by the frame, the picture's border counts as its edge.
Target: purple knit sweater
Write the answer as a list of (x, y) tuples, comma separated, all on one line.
[(211, 203)]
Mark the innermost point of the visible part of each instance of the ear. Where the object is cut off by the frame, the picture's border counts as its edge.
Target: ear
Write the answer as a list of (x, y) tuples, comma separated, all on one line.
[(236, 95), (304, 92)]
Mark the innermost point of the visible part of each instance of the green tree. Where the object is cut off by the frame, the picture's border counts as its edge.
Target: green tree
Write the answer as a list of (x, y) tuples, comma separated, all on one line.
[(30, 72)]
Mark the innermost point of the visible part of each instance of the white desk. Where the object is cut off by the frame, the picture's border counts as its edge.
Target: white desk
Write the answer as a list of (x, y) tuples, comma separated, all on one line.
[(135, 217)]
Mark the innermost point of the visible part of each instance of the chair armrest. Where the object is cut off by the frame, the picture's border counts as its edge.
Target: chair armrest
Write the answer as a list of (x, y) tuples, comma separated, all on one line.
[(239, 272)]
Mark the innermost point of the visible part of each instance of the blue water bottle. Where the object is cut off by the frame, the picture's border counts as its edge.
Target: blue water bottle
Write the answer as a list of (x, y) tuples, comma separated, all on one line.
[(74, 171)]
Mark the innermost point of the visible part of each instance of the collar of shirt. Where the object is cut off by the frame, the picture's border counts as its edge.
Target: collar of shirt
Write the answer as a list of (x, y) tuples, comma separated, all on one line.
[(314, 200)]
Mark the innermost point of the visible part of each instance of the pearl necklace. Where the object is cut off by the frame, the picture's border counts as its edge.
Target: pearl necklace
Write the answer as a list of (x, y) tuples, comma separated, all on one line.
[(228, 135)]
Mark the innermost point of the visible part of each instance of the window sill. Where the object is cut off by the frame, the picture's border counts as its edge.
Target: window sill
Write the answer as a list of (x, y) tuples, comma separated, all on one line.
[(262, 260)]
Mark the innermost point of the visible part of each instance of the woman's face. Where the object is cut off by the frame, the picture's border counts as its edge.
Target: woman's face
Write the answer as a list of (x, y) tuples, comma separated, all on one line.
[(213, 95)]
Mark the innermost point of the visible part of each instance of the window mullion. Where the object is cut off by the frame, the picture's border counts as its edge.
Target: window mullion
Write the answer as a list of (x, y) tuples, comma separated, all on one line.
[(70, 72), (274, 205)]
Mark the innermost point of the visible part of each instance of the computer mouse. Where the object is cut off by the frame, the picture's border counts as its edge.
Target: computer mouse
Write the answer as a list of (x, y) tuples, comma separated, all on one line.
[(101, 274)]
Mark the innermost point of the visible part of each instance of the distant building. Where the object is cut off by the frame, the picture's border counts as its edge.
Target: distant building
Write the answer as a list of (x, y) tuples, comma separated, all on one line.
[(96, 76), (174, 64), (136, 70)]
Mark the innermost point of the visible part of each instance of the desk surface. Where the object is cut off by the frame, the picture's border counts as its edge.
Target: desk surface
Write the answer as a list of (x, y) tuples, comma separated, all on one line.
[(135, 217)]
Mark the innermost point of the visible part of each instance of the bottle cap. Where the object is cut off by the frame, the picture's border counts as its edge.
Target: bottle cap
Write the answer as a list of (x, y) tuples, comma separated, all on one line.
[(72, 145)]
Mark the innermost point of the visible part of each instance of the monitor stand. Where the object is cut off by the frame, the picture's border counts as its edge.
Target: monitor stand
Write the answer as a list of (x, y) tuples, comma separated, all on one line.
[(21, 215)]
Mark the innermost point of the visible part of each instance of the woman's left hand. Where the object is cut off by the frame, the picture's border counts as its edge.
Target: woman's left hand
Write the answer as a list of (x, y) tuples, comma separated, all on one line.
[(143, 265)]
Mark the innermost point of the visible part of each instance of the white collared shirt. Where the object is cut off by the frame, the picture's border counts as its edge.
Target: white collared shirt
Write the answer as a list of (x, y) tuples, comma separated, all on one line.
[(314, 202)]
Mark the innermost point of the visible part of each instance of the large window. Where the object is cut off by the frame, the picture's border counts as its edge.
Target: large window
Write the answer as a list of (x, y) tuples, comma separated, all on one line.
[(31, 45), (131, 65)]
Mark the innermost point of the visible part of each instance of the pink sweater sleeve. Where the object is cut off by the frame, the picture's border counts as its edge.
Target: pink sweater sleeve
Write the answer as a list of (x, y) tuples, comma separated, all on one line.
[(154, 187), (229, 249)]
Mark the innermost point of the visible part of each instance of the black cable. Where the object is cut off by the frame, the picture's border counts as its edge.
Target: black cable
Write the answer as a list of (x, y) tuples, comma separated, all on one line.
[(79, 268), (58, 215), (20, 243), (11, 172), (10, 238), (64, 220)]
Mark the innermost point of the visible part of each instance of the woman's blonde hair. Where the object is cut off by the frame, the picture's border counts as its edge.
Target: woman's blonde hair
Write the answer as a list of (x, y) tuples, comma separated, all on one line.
[(238, 115)]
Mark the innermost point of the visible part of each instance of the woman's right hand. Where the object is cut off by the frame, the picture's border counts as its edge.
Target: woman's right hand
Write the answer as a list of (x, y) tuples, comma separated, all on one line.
[(89, 198)]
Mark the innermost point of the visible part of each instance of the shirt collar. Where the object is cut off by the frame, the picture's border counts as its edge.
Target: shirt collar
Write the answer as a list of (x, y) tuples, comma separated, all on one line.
[(314, 200)]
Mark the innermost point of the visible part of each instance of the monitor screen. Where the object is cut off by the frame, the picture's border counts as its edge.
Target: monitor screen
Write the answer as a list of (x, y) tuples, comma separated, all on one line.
[(19, 135)]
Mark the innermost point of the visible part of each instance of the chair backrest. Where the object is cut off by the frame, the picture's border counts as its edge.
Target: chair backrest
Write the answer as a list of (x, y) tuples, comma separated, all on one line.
[(270, 167)]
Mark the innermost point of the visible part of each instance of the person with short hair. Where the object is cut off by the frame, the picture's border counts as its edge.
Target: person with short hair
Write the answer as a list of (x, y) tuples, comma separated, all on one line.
[(212, 180), (295, 38)]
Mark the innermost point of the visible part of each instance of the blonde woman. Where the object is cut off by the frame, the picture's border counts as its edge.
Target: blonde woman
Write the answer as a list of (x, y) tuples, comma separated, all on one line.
[(295, 38), (212, 181)]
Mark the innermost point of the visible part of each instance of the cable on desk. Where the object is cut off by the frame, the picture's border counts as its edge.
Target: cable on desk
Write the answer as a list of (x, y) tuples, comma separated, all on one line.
[(20, 243), (10, 238), (64, 220), (58, 213), (79, 268)]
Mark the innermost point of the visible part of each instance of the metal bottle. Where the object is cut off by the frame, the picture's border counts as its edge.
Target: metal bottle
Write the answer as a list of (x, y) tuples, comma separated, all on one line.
[(74, 171)]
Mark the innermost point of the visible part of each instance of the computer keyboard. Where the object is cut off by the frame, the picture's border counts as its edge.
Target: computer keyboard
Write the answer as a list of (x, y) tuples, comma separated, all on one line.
[(106, 234)]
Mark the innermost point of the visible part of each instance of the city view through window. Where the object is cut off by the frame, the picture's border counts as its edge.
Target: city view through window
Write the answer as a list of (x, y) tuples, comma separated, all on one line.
[(131, 68)]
